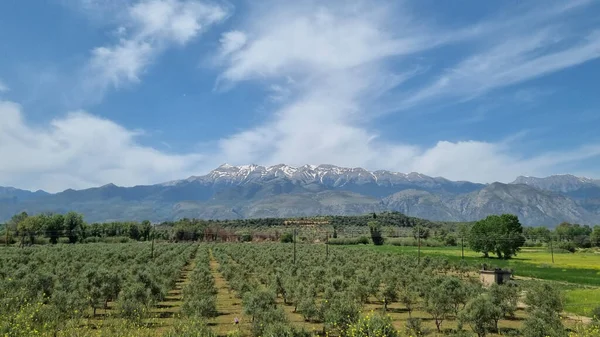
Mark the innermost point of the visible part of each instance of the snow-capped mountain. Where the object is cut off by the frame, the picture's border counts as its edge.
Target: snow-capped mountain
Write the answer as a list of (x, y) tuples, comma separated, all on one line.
[(328, 176), (558, 183), (251, 191)]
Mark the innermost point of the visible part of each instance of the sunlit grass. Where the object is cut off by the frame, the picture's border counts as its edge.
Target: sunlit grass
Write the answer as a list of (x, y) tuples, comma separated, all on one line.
[(578, 268), (582, 301)]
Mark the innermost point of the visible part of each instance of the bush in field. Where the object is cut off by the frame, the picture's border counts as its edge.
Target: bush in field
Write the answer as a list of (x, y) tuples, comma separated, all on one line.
[(265, 319), (505, 297), (457, 291), (481, 314), (541, 323), (372, 325), (261, 306), (340, 311), (544, 296), (439, 304), (190, 328), (409, 297), (596, 315), (389, 291), (200, 306), (568, 246), (414, 327), (585, 331), (361, 240), (287, 238), (284, 330), (414, 242), (375, 230), (544, 302)]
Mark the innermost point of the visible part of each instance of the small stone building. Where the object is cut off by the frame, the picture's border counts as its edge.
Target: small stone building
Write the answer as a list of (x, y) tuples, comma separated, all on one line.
[(491, 276)]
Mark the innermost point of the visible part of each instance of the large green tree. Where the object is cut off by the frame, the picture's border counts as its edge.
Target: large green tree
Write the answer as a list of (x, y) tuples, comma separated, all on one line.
[(53, 227), (498, 234), (30, 227), (74, 226), (595, 236), (375, 229)]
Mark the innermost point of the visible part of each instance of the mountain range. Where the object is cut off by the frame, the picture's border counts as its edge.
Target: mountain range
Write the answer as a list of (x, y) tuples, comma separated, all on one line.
[(250, 191)]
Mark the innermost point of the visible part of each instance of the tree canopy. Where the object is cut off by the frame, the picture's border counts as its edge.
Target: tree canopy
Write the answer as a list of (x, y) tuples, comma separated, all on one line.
[(498, 234)]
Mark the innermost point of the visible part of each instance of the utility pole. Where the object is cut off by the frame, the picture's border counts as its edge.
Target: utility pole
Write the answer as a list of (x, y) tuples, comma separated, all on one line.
[(294, 245), (551, 250), (327, 246), (153, 234), (462, 245), (419, 252)]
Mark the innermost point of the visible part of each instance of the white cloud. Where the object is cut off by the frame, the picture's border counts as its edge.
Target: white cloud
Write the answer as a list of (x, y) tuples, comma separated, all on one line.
[(232, 41), (338, 56), (515, 60), (122, 63), (3, 87), (296, 38), (326, 66), (148, 28), (80, 150)]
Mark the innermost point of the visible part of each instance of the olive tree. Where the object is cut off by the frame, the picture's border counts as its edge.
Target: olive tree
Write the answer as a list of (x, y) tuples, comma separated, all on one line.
[(481, 314)]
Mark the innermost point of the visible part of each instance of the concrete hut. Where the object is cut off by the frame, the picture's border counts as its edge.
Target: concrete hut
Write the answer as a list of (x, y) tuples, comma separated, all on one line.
[(496, 275)]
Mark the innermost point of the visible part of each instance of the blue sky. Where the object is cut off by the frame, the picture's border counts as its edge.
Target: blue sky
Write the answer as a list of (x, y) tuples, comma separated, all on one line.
[(146, 91)]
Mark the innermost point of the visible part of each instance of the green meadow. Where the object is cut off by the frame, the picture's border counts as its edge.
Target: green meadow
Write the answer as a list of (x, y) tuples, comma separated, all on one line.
[(578, 274)]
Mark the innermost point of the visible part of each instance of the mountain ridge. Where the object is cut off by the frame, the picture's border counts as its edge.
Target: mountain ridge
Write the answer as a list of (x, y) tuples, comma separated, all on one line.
[(281, 190)]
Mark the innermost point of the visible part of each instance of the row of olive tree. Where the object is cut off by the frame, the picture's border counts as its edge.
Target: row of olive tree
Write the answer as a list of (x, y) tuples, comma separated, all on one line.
[(334, 289)]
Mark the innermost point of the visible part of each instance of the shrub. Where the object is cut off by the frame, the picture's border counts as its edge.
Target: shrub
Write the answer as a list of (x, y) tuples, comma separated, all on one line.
[(372, 325), (201, 306), (287, 238), (190, 328), (414, 242), (362, 240), (91, 239), (568, 246), (450, 240), (541, 323), (414, 327), (280, 329), (544, 296), (596, 314), (481, 314)]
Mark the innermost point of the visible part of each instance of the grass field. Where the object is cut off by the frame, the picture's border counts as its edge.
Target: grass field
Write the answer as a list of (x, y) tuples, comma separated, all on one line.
[(578, 268), (578, 274), (582, 301)]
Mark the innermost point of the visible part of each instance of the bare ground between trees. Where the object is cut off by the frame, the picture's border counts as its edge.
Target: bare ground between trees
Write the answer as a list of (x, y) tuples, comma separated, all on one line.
[(229, 306)]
